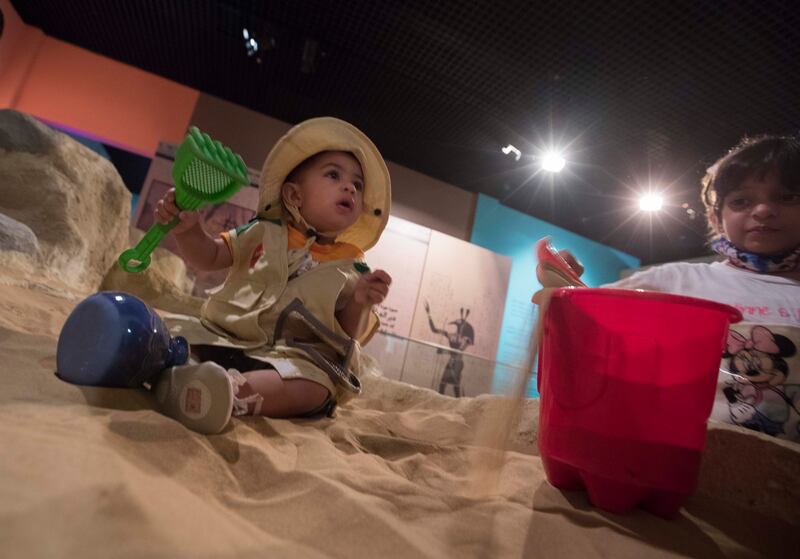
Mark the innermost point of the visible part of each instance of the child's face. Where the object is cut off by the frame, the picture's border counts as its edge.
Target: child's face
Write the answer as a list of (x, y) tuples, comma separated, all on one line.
[(329, 193), (762, 216)]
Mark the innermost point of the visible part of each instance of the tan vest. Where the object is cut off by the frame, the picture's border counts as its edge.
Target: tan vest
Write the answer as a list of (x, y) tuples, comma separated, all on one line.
[(246, 307)]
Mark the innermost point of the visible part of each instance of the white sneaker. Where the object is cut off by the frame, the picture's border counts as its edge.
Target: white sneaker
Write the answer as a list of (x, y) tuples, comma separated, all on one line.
[(199, 396)]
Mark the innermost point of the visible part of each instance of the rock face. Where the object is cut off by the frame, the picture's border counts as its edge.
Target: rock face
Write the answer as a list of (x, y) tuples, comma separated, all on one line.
[(16, 236), (66, 209)]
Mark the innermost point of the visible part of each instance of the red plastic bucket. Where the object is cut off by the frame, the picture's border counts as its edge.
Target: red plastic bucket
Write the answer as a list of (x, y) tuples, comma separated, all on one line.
[(627, 382)]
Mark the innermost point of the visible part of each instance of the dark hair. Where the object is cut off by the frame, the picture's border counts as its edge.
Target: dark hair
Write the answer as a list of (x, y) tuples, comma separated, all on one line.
[(757, 155), (295, 173)]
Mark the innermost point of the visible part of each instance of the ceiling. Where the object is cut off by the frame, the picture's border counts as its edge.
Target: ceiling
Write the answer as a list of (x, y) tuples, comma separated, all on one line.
[(636, 92)]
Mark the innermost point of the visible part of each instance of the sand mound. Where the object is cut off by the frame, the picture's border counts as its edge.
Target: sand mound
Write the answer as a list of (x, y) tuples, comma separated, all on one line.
[(94, 472)]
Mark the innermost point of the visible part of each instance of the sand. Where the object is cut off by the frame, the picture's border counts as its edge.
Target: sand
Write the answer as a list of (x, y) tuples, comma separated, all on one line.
[(94, 472)]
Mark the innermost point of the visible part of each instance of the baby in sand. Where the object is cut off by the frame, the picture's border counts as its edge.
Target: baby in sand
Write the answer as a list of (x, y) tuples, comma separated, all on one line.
[(281, 336)]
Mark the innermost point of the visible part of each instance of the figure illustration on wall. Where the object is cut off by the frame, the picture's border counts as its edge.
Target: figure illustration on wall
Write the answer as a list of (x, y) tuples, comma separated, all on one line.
[(459, 338)]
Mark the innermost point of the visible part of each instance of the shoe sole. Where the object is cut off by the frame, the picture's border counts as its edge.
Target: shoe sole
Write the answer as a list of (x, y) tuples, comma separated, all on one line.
[(200, 397)]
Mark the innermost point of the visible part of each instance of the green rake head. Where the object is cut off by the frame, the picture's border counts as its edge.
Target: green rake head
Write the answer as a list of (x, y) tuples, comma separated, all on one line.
[(205, 172)]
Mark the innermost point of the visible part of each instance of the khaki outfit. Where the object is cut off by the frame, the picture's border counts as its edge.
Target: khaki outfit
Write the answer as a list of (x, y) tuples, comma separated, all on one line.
[(243, 312)]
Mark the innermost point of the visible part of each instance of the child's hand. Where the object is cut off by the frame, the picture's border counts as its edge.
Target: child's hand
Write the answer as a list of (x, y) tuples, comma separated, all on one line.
[(372, 288), (166, 210)]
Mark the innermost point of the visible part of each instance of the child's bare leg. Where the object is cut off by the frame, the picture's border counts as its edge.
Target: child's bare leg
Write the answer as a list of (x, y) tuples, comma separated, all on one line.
[(282, 397)]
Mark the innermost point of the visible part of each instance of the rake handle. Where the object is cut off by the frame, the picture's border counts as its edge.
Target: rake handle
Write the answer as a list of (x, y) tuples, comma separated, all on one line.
[(137, 259)]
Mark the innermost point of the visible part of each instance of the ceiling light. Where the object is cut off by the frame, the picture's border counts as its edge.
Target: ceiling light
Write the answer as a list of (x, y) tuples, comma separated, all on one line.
[(511, 149), (251, 45), (650, 202), (553, 162), (258, 41)]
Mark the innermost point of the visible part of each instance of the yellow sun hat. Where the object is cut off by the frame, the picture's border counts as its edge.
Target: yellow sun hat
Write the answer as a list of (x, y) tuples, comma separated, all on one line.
[(330, 134)]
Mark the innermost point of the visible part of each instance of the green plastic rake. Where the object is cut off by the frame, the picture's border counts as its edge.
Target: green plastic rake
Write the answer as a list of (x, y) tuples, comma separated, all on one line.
[(205, 172)]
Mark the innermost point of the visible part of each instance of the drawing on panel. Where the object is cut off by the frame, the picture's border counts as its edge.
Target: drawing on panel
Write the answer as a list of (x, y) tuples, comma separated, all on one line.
[(459, 334)]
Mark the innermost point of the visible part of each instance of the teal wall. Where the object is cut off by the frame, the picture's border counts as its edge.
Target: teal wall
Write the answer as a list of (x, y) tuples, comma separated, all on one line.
[(512, 233)]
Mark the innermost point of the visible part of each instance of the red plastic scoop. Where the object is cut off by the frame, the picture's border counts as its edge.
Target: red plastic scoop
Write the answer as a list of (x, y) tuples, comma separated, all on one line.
[(555, 270)]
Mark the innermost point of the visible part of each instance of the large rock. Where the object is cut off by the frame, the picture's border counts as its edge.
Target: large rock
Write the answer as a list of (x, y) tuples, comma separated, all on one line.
[(72, 200), (20, 132), (17, 236)]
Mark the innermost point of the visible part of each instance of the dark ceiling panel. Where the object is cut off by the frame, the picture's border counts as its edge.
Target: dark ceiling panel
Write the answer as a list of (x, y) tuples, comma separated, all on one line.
[(639, 90)]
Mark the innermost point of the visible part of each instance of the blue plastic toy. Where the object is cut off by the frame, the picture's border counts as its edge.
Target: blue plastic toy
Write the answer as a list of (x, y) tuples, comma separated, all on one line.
[(114, 339)]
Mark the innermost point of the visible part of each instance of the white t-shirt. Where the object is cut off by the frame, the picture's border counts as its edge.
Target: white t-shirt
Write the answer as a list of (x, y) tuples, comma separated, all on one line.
[(759, 382)]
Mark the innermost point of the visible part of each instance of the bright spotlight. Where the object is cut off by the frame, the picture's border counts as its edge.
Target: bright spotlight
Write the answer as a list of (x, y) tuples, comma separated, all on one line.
[(650, 202), (553, 162)]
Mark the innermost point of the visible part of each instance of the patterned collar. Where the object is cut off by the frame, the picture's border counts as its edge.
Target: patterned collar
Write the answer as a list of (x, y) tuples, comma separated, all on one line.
[(759, 263)]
